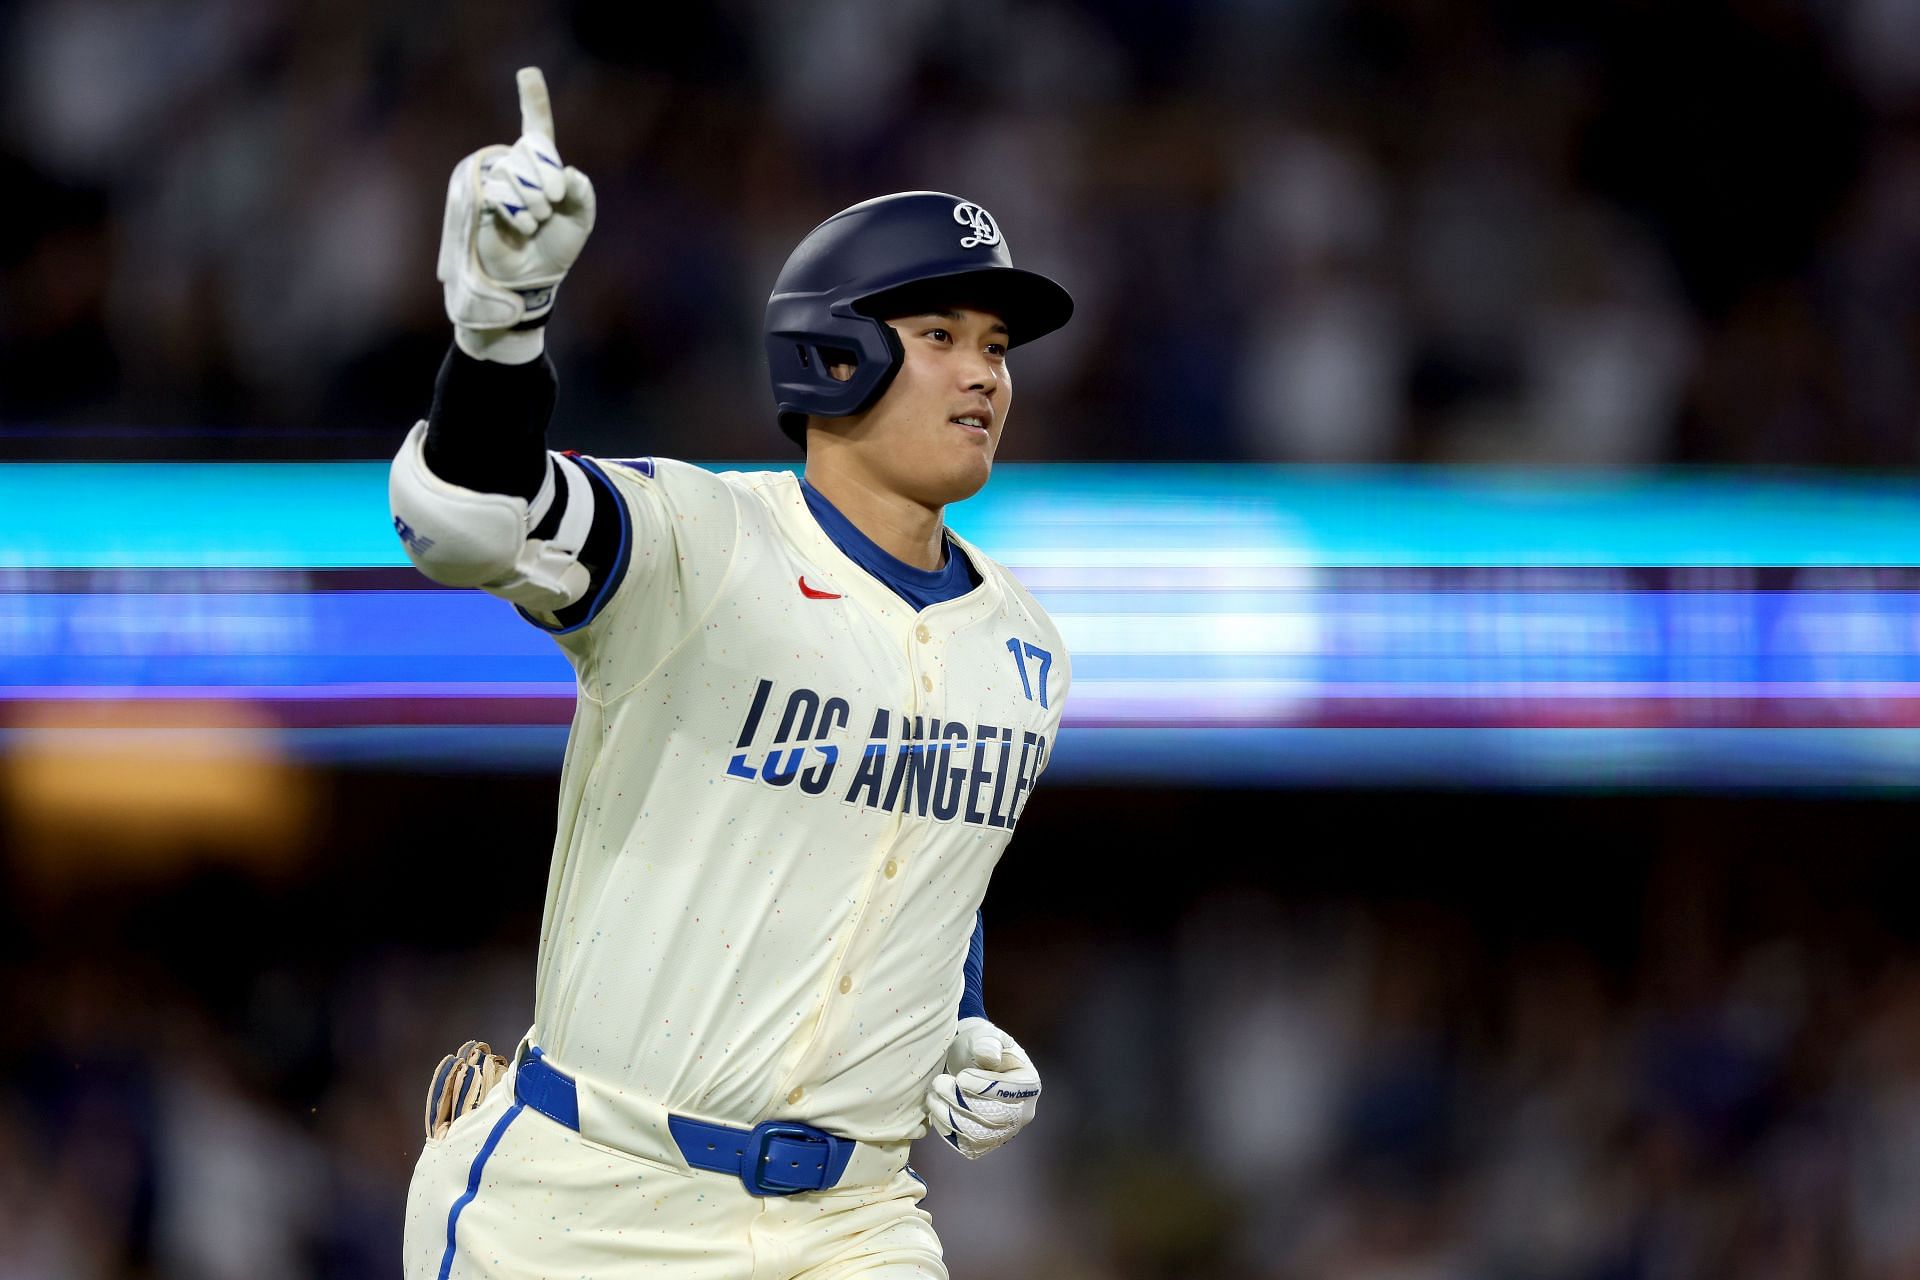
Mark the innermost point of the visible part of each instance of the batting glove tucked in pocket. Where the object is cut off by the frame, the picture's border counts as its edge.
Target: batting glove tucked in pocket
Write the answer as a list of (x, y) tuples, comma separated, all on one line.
[(462, 1080), (987, 1093)]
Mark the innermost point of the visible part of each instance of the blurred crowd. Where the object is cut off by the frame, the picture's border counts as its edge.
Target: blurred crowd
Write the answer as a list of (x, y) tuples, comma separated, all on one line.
[(1601, 231), (1698, 1061)]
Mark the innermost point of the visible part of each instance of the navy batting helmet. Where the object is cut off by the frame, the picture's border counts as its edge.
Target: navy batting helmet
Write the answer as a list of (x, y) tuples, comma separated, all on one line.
[(889, 256)]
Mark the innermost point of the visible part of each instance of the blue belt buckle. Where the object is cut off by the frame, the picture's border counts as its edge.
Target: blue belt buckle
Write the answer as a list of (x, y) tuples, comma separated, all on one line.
[(756, 1162)]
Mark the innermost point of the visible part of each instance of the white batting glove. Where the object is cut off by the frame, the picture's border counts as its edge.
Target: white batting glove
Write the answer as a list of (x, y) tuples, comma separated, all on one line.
[(516, 220), (988, 1092)]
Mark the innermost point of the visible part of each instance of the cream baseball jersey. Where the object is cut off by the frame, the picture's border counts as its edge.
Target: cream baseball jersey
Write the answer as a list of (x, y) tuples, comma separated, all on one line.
[(784, 793)]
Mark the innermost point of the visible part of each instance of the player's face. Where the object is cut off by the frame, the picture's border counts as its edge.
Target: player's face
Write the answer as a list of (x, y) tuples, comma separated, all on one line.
[(932, 436)]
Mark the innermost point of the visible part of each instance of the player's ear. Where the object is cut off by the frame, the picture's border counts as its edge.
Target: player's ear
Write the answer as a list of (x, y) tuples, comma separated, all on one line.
[(839, 363)]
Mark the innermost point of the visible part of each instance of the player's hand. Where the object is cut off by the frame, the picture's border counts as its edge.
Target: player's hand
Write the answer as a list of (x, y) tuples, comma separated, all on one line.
[(516, 220), (987, 1093)]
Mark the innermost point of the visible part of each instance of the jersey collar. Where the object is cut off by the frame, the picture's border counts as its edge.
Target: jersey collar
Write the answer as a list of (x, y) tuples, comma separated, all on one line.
[(789, 506)]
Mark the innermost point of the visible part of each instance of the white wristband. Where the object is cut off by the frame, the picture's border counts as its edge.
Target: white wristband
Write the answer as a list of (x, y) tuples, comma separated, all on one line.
[(502, 346)]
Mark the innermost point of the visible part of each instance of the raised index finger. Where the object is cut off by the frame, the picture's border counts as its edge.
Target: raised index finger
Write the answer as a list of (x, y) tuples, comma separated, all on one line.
[(536, 108)]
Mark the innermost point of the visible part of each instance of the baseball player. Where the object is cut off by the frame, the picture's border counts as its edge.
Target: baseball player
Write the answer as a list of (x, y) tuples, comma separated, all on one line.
[(809, 719)]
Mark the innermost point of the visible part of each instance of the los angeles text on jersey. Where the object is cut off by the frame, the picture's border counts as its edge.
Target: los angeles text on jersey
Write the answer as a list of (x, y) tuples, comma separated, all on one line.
[(948, 770)]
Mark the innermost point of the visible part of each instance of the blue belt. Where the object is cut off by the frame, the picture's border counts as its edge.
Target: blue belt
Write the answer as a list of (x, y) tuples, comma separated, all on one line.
[(774, 1158)]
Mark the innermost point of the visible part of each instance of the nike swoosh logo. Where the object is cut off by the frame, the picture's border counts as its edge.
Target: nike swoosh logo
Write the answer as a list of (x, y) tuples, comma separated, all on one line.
[(811, 594)]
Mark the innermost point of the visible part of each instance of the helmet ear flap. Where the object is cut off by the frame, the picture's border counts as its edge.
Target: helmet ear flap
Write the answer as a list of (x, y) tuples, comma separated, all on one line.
[(800, 354)]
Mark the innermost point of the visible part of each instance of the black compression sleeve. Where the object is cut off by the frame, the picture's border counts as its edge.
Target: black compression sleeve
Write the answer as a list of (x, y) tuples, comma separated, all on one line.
[(487, 429)]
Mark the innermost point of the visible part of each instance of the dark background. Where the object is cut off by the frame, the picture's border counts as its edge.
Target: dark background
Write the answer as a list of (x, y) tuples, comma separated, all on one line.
[(1340, 1034), (1629, 232)]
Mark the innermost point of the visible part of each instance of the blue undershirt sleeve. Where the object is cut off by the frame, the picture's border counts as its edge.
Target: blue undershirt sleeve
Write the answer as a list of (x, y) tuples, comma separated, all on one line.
[(972, 1001)]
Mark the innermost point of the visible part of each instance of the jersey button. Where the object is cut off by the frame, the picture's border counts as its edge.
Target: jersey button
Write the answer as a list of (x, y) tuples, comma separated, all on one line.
[(926, 682), (846, 983), (921, 633), (795, 1094), (892, 868)]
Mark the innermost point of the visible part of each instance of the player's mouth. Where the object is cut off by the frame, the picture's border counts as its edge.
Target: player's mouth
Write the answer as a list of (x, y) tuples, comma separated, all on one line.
[(977, 422)]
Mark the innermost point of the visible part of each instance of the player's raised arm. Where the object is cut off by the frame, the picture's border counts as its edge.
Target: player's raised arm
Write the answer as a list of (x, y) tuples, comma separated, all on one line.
[(477, 498)]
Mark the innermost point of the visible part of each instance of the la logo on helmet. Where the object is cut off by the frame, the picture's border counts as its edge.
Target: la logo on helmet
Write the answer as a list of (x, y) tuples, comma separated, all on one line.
[(972, 215)]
